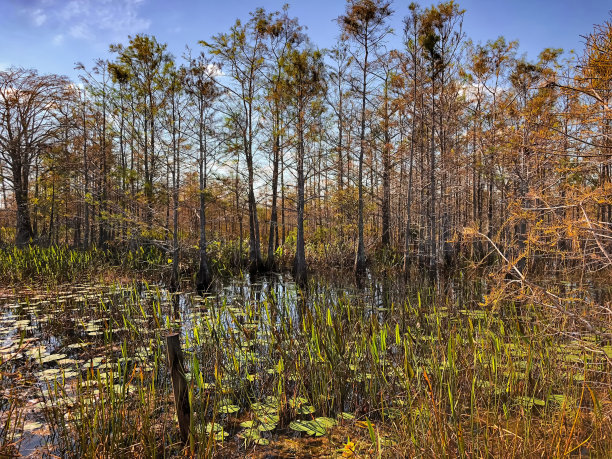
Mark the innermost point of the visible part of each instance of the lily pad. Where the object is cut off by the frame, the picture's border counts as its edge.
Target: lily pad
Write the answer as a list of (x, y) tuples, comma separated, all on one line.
[(216, 430), (229, 409), (306, 409), (29, 426), (50, 373), (52, 358), (557, 398), (266, 427), (528, 402), (325, 422), (308, 427)]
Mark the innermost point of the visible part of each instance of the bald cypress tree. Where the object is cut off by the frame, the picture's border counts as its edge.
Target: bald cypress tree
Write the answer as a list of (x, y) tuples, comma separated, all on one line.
[(364, 23), (241, 52), (147, 62), (202, 90), (29, 124), (304, 84)]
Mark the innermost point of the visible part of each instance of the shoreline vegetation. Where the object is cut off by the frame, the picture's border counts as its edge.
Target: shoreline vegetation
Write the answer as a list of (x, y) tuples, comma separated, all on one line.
[(328, 369), (266, 249)]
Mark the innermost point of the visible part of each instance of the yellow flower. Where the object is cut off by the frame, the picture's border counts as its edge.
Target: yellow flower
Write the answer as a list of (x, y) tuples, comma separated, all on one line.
[(349, 449)]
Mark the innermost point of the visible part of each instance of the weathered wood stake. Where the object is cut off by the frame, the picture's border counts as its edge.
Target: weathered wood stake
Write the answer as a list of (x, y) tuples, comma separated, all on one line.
[(179, 384)]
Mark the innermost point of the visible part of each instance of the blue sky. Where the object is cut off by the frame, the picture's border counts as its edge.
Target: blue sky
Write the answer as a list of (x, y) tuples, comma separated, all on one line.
[(52, 35)]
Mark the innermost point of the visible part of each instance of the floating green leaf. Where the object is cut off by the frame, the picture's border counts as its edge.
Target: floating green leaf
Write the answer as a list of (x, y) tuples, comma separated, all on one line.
[(229, 409)]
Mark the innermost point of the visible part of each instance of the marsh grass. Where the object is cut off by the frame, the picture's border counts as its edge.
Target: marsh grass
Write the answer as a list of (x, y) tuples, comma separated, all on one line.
[(402, 372), (59, 264)]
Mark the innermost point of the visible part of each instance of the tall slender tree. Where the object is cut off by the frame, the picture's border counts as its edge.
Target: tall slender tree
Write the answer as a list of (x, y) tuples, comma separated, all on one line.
[(147, 62), (440, 39), (282, 34), (241, 52), (365, 23), (304, 84), (202, 91)]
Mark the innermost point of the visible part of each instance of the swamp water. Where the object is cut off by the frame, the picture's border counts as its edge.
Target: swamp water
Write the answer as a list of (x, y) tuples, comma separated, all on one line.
[(84, 369)]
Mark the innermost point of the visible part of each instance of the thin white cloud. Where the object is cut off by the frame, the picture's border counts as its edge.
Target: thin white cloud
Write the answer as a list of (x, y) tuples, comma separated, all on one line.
[(90, 19), (214, 70), (79, 31), (58, 39), (38, 17)]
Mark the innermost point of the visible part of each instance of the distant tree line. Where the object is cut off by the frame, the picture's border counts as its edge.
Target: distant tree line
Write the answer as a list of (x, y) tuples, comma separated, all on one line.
[(440, 151)]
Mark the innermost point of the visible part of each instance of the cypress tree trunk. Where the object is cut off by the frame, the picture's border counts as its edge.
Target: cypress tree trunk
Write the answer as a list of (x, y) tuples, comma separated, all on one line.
[(273, 236), (433, 253), (300, 271), (203, 277), (386, 176), (24, 226), (360, 258)]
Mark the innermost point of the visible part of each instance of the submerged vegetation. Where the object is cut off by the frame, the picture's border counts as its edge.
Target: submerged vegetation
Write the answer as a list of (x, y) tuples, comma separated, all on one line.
[(268, 249)]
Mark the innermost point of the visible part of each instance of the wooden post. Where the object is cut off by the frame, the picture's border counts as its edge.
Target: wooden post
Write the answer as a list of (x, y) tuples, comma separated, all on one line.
[(179, 384)]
